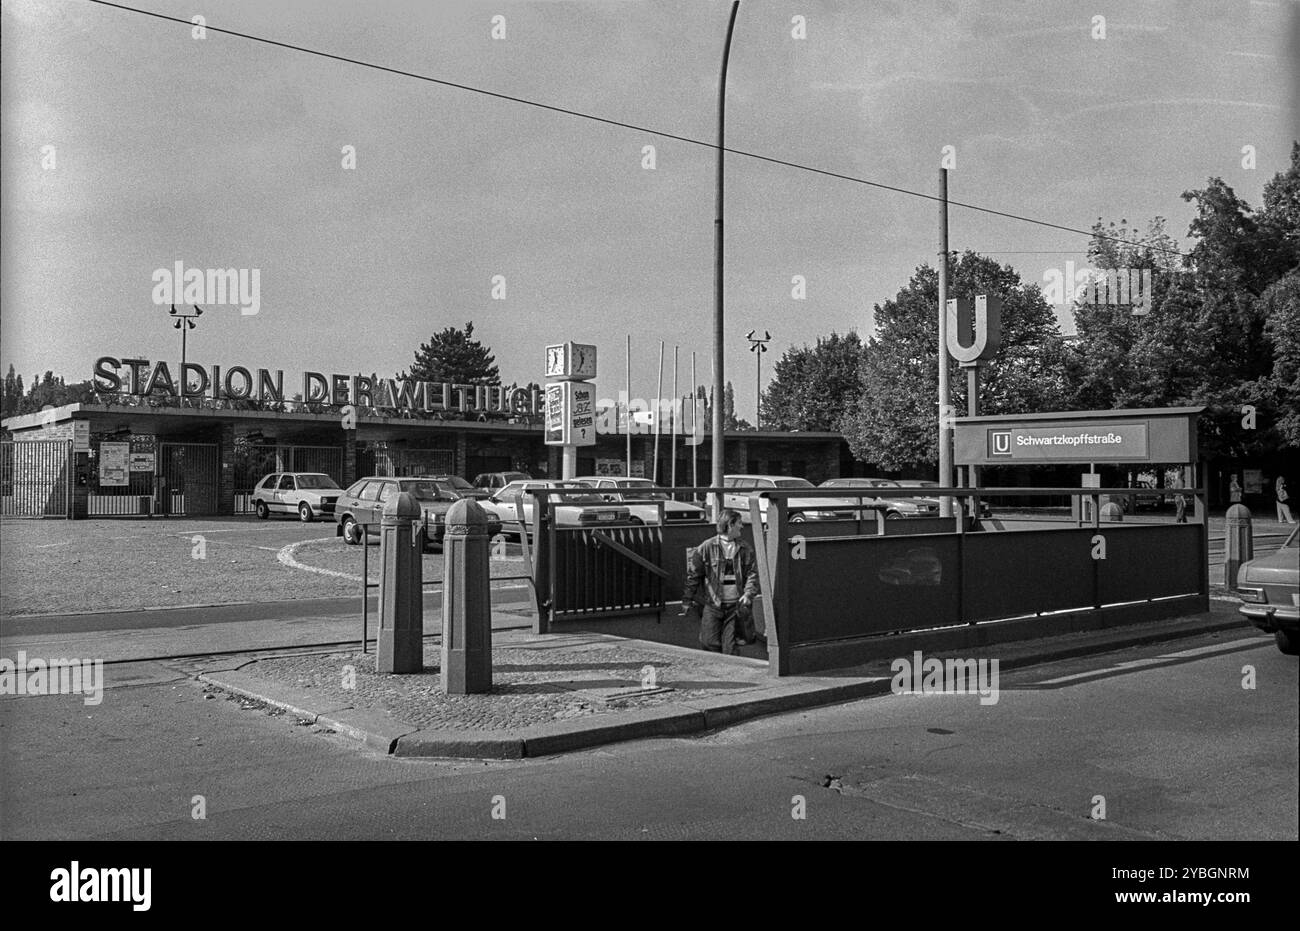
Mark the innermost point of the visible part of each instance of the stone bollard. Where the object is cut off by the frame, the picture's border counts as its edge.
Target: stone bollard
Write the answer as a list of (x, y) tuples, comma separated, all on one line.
[(466, 602), (1112, 511), (1238, 543), (401, 588)]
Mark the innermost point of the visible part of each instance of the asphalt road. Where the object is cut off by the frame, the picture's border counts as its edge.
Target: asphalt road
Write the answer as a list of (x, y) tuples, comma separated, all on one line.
[(1165, 734)]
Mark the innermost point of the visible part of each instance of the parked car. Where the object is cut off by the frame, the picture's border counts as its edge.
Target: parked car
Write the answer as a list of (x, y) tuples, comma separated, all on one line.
[(461, 487), (577, 511), (360, 509), (1270, 592), (641, 497), (986, 510), (1149, 499), (885, 504), (901, 507), (495, 481), (307, 494), (812, 508)]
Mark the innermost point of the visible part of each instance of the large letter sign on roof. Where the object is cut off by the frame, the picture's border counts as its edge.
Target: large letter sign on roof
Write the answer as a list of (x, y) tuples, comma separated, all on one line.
[(980, 331)]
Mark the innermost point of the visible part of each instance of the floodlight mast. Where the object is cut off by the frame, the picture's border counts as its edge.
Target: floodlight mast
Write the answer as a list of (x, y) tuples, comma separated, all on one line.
[(719, 465)]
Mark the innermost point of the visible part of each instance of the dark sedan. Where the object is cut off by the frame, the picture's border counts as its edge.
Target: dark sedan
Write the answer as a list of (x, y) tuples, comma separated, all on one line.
[(361, 507)]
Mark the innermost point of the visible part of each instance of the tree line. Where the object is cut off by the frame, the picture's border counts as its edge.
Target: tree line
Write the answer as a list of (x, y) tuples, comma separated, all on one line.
[(1222, 330)]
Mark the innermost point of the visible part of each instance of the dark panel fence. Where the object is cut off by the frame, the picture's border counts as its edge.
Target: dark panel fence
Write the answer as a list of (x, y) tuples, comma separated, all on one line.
[(833, 589)]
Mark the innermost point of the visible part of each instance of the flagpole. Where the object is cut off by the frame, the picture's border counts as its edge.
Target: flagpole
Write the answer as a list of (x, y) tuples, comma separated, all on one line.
[(672, 439), (659, 405), (695, 425), (627, 404)]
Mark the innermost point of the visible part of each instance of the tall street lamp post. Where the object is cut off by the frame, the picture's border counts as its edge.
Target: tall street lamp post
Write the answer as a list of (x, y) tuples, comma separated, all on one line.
[(758, 346), (184, 323)]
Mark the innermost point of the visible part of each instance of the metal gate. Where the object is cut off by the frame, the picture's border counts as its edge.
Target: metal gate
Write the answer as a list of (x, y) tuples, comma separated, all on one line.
[(35, 478), (604, 573), (114, 493), (326, 459), (404, 462), (253, 463), (185, 482)]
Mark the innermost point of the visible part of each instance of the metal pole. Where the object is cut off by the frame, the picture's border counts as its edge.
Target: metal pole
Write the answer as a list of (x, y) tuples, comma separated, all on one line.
[(945, 396), (672, 439), (659, 407), (695, 424), (973, 410), (629, 404), (758, 390), (718, 364)]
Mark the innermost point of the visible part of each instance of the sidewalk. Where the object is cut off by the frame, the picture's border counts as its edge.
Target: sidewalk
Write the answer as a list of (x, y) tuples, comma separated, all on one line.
[(558, 693)]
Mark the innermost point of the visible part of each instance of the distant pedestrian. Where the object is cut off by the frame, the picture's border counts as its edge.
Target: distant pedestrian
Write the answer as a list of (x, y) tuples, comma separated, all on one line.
[(1283, 501), (1234, 491), (726, 566), (1180, 499)]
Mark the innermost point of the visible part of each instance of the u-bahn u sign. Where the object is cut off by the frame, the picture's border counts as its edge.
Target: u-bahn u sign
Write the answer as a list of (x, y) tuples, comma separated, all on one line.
[(1153, 435)]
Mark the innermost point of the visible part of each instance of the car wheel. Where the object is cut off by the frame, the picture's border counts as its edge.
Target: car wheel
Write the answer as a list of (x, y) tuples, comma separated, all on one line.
[(351, 531), (893, 515), (263, 512), (797, 518), (1287, 642), (636, 522), (304, 513)]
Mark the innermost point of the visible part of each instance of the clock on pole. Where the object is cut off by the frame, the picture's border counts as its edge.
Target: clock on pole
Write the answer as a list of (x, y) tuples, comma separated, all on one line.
[(571, 361)]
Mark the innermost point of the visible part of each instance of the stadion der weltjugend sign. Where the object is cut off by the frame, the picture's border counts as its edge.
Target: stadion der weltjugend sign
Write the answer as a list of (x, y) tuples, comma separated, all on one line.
[(141, 378)]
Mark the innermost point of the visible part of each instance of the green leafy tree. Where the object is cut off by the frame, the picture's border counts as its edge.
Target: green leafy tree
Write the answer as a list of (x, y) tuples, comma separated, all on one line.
[(729, 419), (810, 384), (894, 421), (454, 356), (1220, 333), (13, 392)]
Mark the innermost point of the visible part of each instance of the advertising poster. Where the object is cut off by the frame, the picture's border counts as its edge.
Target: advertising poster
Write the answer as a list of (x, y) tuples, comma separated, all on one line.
[(554, 414), (113, 464)]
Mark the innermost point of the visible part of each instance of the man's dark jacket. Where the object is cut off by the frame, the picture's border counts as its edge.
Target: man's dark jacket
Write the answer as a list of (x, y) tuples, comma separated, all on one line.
[(705, 564)]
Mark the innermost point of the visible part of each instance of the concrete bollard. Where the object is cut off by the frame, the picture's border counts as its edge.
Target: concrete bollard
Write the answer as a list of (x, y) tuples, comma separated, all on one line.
[(1238, 543), (466, 602), (401, 588), (1112, 511)]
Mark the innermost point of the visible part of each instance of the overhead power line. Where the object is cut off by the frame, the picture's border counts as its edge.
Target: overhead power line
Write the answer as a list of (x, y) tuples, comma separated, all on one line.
[(624, 125)]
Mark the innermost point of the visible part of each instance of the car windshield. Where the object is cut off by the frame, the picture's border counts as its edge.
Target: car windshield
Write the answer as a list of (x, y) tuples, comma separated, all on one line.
[(426, 491), (793, 483), (455, 481), (316, 481), (641, 491)]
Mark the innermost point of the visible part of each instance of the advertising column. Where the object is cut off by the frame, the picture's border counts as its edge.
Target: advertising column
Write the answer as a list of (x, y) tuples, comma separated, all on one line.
[(570, 415)]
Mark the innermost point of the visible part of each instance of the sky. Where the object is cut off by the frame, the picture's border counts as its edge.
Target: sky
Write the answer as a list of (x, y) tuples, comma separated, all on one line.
[(222, 152)]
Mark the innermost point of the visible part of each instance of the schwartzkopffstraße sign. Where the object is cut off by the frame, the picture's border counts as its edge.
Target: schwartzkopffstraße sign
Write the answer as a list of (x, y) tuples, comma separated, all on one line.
[(1124, 442)]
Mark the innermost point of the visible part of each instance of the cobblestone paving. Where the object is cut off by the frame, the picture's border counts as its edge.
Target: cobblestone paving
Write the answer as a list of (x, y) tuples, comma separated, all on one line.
[(532, 684)]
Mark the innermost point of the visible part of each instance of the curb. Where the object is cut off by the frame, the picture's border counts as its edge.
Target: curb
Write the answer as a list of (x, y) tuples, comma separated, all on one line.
[(379, 731)]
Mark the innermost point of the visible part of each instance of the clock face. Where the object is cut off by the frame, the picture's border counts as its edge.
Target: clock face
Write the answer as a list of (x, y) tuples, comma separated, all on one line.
[(554, 360), (584, 361)]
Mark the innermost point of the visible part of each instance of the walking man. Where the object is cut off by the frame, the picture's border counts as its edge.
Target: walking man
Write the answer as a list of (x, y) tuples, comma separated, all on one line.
[(726, 566), (1283, 501)]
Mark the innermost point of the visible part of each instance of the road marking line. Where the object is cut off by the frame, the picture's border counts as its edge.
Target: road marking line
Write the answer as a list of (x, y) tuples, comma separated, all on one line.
[(1163, 658), (285, 555)]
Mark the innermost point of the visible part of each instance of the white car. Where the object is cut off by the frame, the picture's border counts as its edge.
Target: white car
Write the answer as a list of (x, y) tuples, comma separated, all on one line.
[(578, 511), (307, 494), (814, 508), (897, 507), (641, 497)]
